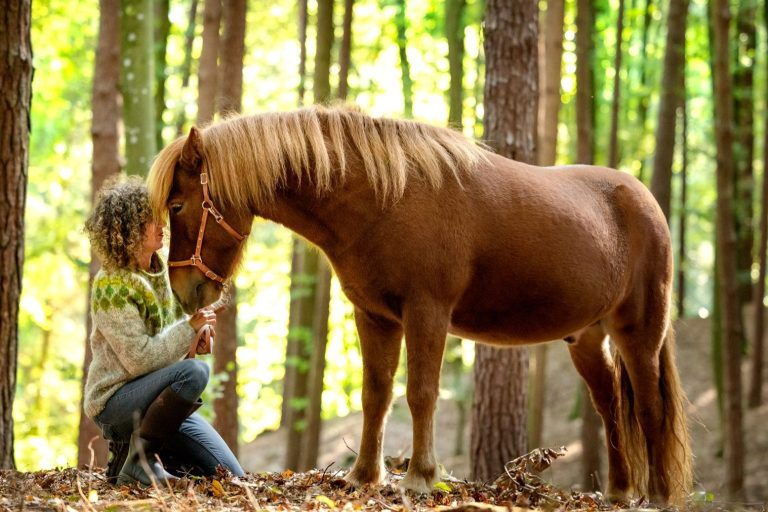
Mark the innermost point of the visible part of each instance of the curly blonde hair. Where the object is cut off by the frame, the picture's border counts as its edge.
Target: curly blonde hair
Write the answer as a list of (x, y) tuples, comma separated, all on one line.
[(117, 224)]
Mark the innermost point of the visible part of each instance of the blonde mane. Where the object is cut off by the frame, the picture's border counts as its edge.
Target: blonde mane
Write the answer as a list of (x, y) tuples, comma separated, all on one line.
[(314, 144)]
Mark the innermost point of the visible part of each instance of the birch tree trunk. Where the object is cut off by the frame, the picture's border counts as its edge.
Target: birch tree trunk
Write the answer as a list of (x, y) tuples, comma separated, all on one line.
[(137, 84)]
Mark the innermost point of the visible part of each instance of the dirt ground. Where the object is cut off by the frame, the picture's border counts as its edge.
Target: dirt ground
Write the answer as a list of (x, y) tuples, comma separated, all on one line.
[(341, 435)]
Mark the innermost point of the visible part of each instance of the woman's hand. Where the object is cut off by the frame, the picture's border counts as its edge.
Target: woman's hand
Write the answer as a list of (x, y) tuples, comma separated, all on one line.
[(203, 316)]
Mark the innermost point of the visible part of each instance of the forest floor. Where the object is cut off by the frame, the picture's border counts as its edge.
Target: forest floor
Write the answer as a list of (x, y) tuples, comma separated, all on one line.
[(267, 488)]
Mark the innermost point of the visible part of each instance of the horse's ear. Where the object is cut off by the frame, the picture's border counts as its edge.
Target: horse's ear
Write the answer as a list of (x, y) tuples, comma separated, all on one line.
[(192, 152)]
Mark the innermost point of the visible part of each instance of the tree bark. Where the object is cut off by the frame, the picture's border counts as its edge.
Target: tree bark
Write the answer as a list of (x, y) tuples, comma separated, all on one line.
[(186, 67), (16, 90), (138, 84), (585, 114), (613, 145), (551, 42), (682, 260), (726, 241), (230, 82), (585, 149), (758, 347), (454, 35), (208, 66), (401, 24), (511, 97), (345, 50), (671, 98), (744, 148), (162, 29), (644, 100), (105, 104), (302, 50), (325, 37)]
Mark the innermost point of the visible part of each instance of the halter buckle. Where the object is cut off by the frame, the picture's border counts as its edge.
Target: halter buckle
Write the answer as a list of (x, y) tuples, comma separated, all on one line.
[(196, 260), (203, 178)]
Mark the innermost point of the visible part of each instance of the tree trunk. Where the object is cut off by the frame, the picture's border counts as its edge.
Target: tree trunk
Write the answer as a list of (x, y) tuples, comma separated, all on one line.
[(208, 66), (137, 84), (322, 85), (186, 67), (591, 444), (585, 149), (401, 24), (301, 321), (726, 242), (551, 42), (345, 50), (302, 50), (682, 261), (454, 34), (511, 97), (671, 98), (644, 100), (230, 82), (16, 89), (105, 103), (550, 75), (756, 385), (743, 150), (162, 29), (585, 113), (613, 145)]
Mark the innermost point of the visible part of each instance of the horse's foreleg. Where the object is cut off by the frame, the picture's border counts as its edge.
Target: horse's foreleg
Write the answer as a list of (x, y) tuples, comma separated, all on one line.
[(595, 365), (380, 341), (425, 331)]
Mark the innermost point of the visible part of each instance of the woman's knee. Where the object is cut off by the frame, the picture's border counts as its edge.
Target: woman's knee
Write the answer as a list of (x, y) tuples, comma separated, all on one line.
[(194, 373)]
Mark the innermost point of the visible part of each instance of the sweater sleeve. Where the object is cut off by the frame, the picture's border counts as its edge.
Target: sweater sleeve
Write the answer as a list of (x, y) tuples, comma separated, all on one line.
[(139, 353)]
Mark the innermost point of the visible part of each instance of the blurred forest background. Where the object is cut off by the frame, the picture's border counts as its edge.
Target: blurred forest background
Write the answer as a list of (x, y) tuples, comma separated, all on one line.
[(671, 91)]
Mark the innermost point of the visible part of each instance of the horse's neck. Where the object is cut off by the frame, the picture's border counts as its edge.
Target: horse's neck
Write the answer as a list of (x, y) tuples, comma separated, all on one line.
[(332, 221)]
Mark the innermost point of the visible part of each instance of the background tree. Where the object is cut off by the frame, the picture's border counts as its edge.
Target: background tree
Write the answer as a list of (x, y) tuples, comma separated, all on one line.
[(734, 436), (105, 104), (671, 98), (511, 98), (345, 49), (401, 24), (454, 34), (756, 377), (613, 145), (137, 84), (16, 87), (304, 424), (162, 30), (208, 65), (230, 82), (585, 150), (550, 62)]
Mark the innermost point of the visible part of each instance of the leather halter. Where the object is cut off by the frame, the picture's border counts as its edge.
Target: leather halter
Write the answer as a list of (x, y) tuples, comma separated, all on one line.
[(197, 259)]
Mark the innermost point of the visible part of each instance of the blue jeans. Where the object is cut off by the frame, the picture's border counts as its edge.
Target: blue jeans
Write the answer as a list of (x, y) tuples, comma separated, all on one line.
[(196, 447)]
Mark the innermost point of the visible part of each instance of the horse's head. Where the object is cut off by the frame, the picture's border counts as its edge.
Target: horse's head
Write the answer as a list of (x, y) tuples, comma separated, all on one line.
[(207, 235)]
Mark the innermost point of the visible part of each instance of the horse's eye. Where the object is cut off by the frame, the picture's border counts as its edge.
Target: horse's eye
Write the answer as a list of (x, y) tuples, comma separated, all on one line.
[(175, 208)]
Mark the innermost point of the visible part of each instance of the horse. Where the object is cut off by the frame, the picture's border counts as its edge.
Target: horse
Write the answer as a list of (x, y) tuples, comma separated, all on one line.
[(431, 233)]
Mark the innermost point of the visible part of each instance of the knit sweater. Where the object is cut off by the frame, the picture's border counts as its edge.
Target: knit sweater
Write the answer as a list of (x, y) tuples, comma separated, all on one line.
[(137, 328)]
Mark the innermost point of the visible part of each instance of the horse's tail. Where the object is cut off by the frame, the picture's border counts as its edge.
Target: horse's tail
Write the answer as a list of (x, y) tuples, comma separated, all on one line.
[(677, 462)]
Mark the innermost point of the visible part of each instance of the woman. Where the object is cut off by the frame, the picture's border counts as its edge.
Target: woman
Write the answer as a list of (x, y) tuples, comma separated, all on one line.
[(140, 388)]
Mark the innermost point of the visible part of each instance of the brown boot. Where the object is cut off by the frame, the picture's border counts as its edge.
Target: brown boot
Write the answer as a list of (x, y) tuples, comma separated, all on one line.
[(162, 420)]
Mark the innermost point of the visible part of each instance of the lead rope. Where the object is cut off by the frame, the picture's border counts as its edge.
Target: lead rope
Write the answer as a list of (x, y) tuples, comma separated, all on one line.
[(205, 335)]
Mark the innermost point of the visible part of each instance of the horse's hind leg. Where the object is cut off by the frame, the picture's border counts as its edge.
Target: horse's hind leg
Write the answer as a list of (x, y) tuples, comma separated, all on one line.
[(425, 330), (638, 328), (380, 341), (594, 363)]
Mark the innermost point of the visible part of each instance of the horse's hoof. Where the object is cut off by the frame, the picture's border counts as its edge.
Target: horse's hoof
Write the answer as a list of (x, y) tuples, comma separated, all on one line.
[(358, 478), (417, 483)]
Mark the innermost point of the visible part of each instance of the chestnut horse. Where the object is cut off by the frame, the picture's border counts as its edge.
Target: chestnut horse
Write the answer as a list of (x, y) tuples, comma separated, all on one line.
[(431, 234)]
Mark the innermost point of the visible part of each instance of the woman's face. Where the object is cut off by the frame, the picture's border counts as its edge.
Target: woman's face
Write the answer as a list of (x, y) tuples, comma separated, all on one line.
[(153, 237)]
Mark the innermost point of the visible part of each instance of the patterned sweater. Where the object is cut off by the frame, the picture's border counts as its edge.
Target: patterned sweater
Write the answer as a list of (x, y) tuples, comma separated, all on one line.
[(137, 328)]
